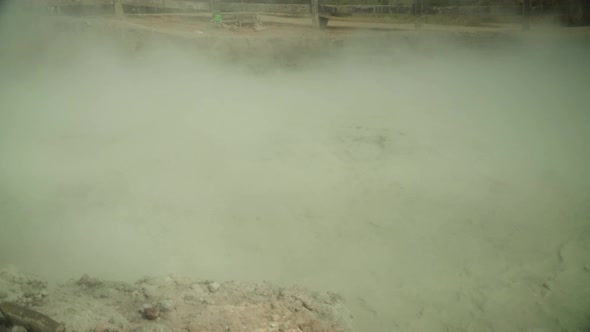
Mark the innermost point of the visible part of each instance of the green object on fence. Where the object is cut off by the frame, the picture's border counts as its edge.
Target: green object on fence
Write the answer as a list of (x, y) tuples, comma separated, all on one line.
[(218, 19)]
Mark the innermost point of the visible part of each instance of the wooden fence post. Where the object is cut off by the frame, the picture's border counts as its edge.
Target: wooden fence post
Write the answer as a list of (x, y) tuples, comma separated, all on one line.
[(119, 13), (315, 14), (418, 5), (526, 14)]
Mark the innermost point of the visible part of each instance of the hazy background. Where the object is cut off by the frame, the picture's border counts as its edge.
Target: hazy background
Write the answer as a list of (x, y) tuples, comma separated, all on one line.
[(438, 188)]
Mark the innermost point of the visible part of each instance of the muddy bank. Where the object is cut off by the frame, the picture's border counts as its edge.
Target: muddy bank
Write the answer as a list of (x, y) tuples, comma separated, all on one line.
[(167, 303)]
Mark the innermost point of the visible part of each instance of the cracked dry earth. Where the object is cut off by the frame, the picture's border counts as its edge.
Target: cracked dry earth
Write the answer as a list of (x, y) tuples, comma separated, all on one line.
[(171, 303)]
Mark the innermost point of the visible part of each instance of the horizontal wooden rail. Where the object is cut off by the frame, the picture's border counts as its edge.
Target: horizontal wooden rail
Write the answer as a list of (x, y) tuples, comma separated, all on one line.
[(319, 12), (205, 5)]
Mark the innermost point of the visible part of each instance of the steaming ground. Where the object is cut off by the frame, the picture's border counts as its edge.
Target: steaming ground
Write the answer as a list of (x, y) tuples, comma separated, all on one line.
[(437, 191)]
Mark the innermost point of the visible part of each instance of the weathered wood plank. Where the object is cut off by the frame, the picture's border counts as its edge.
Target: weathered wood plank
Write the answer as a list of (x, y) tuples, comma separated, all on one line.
[(264, 8), (170, 4), (65, 3), (31, 320)]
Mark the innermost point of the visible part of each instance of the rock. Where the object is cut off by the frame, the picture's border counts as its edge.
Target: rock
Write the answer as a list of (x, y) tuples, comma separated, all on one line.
[(88, 282), (3, 293), (151, 313), (18, 329), (150, 291), (213, 287), (166, 306), (23, 316), (137, 295), (189, 298)]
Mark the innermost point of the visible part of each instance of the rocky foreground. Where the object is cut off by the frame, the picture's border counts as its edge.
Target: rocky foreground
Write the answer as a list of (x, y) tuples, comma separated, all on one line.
[(167, 303)]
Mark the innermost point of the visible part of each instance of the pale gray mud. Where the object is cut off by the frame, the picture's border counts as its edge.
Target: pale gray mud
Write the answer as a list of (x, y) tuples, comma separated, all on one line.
[(437, 181)]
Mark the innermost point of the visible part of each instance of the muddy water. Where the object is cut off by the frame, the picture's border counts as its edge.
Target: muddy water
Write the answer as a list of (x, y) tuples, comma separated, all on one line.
[(437, 185)]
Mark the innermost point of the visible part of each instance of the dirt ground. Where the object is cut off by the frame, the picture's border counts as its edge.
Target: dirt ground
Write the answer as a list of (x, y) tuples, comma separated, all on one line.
[(431, 180), (174, 304)]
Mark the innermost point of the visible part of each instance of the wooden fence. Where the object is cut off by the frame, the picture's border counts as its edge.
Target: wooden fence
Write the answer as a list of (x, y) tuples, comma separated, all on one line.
[(320, 14), (294, 8)]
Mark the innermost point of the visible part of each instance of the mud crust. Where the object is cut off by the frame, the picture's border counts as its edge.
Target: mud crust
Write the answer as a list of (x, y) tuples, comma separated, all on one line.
[(169, 303)]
